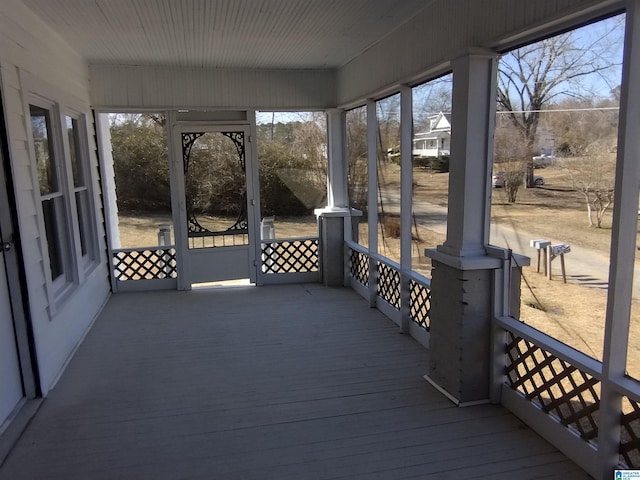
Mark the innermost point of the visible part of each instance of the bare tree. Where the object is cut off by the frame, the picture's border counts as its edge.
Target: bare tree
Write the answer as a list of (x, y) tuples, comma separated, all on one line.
[(593, 176), (578, 123), (431, 98), (563, 66), (508, 154), (357, 157)]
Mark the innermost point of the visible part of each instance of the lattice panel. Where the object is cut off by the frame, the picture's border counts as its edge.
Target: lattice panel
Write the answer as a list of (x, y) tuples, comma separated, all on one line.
[(630, 433), (420, 309), (296, 256), (560, 389), (389, 284), (146, 264), (359, 267)]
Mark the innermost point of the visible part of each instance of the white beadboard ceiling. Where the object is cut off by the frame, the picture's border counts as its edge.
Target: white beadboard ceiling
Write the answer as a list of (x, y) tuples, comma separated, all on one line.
[(224, 33)]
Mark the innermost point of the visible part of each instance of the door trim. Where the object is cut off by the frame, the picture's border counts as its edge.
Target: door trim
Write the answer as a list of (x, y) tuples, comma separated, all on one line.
[(179, 122), (15, 269)]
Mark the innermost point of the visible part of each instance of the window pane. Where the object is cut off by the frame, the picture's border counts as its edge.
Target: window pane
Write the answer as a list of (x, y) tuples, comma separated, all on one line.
[(52, 210), (388, 166), (431, 150), (292, 156), (553, 176), (84, 219), (141, 168), (75, 152), (358, 176), (45, 161)]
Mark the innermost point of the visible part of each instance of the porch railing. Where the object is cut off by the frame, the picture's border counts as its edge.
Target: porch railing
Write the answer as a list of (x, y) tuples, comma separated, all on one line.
[(156, 265), (287, 260), (385, 285), (145, 263), (290, 255), (558, 391)]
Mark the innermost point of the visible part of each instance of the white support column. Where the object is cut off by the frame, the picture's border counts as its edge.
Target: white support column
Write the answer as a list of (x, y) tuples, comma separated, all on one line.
[(372, 198), (108, 187), (462, 273), (623, 246), (472, 122), (334, 217), (108, 179), (337, 193), (406, 194)]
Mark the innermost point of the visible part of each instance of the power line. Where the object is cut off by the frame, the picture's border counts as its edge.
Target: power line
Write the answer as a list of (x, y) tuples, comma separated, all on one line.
[(590, 109)]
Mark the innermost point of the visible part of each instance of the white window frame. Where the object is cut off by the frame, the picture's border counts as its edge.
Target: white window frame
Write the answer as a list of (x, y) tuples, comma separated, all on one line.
[(86, 261), (76, 265), (56, 288)]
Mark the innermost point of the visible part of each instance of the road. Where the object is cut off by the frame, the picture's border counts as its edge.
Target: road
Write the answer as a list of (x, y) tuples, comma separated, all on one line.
[(583, 266)]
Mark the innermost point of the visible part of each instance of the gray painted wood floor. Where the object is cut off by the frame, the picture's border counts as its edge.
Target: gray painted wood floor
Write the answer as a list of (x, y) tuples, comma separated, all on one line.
[(281, 382)]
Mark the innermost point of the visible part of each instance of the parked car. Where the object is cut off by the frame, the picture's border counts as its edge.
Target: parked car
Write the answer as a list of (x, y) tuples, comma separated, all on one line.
[(541, 161), (498, 179)]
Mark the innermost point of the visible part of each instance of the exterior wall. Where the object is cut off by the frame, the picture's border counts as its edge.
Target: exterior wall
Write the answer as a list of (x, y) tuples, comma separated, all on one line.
[(158, 87), (428, 43), (29, 50)]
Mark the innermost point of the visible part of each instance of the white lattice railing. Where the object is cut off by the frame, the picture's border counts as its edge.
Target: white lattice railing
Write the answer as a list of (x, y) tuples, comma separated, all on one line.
[(566, 385), (290, 255), (388, 283), (144, 263)]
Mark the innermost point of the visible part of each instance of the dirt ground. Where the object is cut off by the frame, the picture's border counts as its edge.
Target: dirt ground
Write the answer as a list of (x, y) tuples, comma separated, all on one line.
[(572, 312)]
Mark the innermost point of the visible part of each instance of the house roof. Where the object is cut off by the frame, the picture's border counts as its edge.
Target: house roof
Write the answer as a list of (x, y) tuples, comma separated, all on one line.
[(439, 126), (224, 33)]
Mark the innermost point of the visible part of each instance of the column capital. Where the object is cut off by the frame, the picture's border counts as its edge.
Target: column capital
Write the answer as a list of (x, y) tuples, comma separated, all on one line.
[(474, 52)]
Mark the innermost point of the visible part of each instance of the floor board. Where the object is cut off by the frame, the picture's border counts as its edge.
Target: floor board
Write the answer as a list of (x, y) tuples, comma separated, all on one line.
[(279, 382)]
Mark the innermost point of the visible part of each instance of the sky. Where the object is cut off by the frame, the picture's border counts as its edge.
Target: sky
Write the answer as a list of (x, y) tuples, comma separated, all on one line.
[(430, 95)]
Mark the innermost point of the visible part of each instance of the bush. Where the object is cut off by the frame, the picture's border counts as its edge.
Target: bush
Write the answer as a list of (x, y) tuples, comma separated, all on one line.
[(141, 167), (440, 164)]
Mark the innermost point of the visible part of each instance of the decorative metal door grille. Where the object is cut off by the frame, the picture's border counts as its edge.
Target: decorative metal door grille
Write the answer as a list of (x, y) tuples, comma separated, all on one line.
[(630, 433), (146, 264), (389, 284), (290, 256), (560, 389), (420, 298), (199, 235), (359, 267)]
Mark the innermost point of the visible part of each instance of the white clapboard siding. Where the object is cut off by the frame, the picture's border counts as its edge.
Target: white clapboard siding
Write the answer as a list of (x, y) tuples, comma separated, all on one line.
[(30, 49)]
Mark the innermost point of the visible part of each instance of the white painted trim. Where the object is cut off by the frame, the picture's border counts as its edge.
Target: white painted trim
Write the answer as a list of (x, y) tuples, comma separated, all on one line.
[(176, 129), (582, 453), (146, 285), (561, 350), (623, 245), (287, 278), (21, 320), (372, 197), (435, 385), (337, 193), (254, 215), (406, 203)]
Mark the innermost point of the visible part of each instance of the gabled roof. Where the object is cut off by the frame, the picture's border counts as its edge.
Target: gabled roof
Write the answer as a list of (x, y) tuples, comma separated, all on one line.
[(438, 124), (441, 122)]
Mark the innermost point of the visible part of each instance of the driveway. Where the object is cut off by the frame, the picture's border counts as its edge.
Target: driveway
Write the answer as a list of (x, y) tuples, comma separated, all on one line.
[(583, 266)]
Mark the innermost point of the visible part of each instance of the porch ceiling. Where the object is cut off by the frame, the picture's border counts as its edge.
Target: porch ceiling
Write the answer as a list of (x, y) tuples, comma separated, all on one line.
[(224, 33)]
